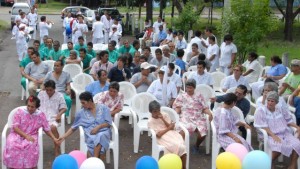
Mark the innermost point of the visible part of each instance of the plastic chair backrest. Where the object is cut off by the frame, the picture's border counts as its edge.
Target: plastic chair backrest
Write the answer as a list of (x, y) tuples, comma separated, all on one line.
[(128, 90), (177, 69), (11, 115), (64, 46), (81, 80), (50, 63), (184, 78), (192, 68), (264, 70), (97, 46), (231, 90), (171, 112), (206, 91), (185, 55), (73, 69), (153, 48), (140, 104), (217, 78)]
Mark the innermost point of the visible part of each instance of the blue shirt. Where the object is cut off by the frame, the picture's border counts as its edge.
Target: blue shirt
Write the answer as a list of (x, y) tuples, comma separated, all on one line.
[(181, 44), (95, 87), (242, 104), (277, 70), (162, 35), (181, 64)]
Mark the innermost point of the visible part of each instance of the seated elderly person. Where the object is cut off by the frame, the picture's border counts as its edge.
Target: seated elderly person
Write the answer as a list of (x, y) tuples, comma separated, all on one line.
[(142, 80), (53, 105), (236, 79), (253, 68), (292, 81), (62, 81), (73, 58), (125, 48), (35, 72), (159, 60), (103, 64), (164, 93), (112, 98), (201, 76), (22, 147), (96, 129), (194, 53), (276, 122), (192, 108), (167, 54), (100, 85), (227, 124), (276, 72), (166, 134)]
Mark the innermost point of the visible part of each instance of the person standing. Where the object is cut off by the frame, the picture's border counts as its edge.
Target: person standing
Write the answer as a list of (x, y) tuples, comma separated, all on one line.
[(97, 30), (213, 54), (67, 27), (44, 26), (228, 52), (79, 29), (21, 42), (32, 18)]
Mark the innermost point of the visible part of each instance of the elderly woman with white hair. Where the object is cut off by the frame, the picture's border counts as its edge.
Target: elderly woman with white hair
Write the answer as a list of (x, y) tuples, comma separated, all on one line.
[(276, 121), (167, 54)]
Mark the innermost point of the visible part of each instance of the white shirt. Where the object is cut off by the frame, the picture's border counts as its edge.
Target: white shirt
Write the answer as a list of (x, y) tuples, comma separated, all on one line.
[(44, 28), (67, 21), (176, 79), (156, 26), (226, 53), (97, 29), (20, 38), (213, 50), (196, 40), (156, 89), (169, 37), (230, 82), (81, 28), (119, 28), (114, 36), (256, 67), (24, 20), (32, 18), (205, 78)]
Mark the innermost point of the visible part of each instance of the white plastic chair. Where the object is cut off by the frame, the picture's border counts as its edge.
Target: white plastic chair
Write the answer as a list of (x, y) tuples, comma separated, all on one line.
[(8, 126), (177, 69), (73, 69), (216, 145), (192, 68), (50, 63), (184, 58), (184, 78), (128, 90), (64, 46), (152, 49), (217, 78), (78, 85), (156, 148), (114, 145), (104, 46), (140, 112), (98, 46)]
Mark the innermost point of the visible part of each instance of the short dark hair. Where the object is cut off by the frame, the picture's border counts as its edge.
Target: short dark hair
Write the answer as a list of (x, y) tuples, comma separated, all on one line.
[(114, 85), (70, 42), (243, 87), (90, 44), (86, 96), (276, 59), (171, 66), (201, 62), (34, 99), (82, 50), (50, 83), (253, 54), (80, 38), (135, 42), (100, 72), (195, 45), (201, 56), (36, 53), (61, 62), (123, 59), (97, 18), (180, 53), (31, 48), (198, 33), (37, 41), (43, 18), (158, 50), (102, 53), (180, 33), (213, 38), (208, 29), (230, 98), (228, 37), (147, 48), (154, 105), (112, 42)]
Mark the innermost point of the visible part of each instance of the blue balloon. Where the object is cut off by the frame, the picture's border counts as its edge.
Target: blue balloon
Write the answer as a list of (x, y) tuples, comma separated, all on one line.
[(68, 30), (146, 162), (257, 160), (65, 161)]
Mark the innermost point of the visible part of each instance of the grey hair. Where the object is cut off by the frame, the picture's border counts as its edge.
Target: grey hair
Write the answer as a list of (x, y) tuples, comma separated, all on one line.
[(166, 47), (273, 95), (154, 105), (271, 85), (73, 52), (191, 82)]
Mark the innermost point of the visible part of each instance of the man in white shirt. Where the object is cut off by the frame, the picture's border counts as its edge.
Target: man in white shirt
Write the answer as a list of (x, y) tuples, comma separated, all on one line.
[(107, 26), (114, 35), (174, 76), (97, 30), (32, 19), (117, 25), (197, 39), (67, 27), (236, 79), (208, 33), (23, 18), (201, 76), (44, 27), (157, 24), (213, 54), (227, 56), (80, 29)]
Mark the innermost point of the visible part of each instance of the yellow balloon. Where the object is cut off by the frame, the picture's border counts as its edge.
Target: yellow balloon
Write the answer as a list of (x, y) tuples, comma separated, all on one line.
[(228, 160), (170, 161)]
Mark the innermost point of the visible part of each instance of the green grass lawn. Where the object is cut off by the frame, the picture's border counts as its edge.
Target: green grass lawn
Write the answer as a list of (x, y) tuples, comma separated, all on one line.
[(52, 7), (4, 25)]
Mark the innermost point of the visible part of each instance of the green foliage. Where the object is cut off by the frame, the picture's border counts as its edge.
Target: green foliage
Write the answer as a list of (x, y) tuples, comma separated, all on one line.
[(249, 22), (187, 18)]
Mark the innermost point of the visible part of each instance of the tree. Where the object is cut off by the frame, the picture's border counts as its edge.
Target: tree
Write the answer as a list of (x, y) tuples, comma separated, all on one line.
[(187, 18), (248, 22), (149, 10), (289, 15)]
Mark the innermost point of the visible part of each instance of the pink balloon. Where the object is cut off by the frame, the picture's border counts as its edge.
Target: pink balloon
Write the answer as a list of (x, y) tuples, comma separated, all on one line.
[(237, 149), (79, 156)]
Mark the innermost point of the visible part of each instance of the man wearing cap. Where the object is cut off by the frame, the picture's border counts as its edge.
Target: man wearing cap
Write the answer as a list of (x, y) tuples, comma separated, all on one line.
[(143, 79), (292, 81)]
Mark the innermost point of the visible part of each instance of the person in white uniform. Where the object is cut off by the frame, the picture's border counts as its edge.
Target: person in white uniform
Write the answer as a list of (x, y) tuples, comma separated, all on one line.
[(201, 76), (118, 26), (157, 24), (213, 54), (97, 29), (107, 26), (23, 18), (114, 35), (67, 27), (32, 19), (253, 68), (197, 39), (235, 79), (227, 56), (79, 29), (44, 27), (21, 41)]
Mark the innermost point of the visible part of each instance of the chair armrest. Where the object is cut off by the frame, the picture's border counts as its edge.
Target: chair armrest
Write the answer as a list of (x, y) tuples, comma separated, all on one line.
[(186, 136), (73, 87), (134, 117), (248, 137), (214, 133), (83, 147), (3, 139), (115, 133), (265, 135), (154, 140)]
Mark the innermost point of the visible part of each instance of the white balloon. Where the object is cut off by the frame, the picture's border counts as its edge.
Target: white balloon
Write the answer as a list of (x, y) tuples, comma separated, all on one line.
[(92, 163)]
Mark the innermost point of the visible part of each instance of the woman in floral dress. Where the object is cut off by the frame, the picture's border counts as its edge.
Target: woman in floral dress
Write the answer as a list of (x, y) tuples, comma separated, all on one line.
[(192, 109), (276, 121), (22, 149), (111, 98)]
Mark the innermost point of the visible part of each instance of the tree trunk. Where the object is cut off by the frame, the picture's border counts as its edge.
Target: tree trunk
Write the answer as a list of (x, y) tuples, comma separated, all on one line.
[(140, 9), (178, 6), (172, 13), (160, 8), (149, 11), (288, 29)]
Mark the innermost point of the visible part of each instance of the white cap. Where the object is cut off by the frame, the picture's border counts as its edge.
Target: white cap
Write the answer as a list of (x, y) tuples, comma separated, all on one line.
[(22, 26), (146, 65)]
